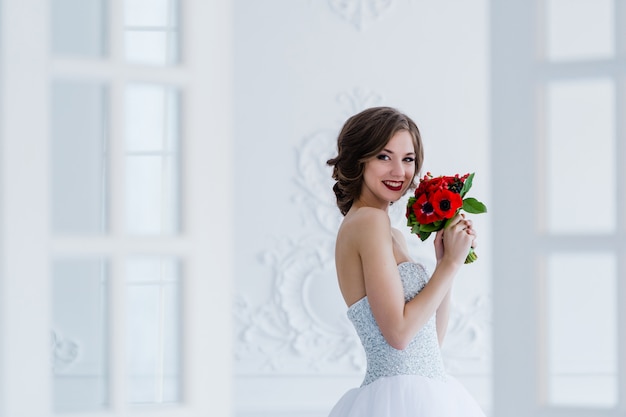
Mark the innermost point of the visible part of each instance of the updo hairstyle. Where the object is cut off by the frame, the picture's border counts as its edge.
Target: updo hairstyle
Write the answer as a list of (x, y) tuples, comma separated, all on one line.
[(362, 137)]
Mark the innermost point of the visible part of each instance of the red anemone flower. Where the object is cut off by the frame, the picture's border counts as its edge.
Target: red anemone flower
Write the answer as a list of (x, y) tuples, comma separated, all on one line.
[(445, 203), (424, 211)]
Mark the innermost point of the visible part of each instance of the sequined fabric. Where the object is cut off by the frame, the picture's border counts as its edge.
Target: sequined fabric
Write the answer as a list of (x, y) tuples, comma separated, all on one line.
[(421, 357)]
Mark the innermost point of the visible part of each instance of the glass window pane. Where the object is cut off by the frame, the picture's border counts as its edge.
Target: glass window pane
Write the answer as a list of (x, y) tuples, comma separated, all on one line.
[(146, 46), (79, 157), (78, 27), (152, 31), (153, 329), (582, 329), (581, 157), (151, 118), (79, 334), (152, 160), (580, 29)]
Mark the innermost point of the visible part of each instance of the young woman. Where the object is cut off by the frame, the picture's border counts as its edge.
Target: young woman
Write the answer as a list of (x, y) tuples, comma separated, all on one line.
[(400, 312)]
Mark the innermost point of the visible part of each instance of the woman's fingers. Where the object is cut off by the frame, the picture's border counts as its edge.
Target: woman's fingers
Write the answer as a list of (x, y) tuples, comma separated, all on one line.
[(463, 224), (470, 231), (439, 245)]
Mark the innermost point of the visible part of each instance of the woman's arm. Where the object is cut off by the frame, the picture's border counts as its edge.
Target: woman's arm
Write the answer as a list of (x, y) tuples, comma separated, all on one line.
[(443, 316), (443, 312), (398, 321)]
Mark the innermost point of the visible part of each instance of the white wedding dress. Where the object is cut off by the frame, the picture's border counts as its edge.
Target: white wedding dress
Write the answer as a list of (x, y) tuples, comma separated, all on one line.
[(403, 383)]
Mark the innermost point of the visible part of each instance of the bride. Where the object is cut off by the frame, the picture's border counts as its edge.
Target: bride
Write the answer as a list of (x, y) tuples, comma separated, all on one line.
[(398, 309)]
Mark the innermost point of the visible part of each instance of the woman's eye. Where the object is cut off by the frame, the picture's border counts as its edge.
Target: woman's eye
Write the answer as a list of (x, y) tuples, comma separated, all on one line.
[(383, 157), (409, 159)]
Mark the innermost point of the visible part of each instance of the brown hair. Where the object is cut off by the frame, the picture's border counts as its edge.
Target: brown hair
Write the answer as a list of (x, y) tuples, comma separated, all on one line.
[(362, 137)]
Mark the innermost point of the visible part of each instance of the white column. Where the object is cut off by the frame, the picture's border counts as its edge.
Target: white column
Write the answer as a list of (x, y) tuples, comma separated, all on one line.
[(207, 219), (24, 174)]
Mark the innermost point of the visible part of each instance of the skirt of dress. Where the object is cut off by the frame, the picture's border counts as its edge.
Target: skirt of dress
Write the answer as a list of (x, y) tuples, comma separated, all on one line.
[(408, 396)]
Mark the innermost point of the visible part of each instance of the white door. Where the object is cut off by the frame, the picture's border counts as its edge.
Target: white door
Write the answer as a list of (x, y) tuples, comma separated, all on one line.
[(559, 159), (116, 243)]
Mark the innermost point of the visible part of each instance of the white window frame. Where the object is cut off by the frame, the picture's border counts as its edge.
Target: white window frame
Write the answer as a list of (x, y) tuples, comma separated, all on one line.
[(518, 76), (27, 246)]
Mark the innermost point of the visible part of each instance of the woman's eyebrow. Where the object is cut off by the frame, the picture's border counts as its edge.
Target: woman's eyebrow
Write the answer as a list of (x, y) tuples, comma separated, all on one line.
[(390, 151)]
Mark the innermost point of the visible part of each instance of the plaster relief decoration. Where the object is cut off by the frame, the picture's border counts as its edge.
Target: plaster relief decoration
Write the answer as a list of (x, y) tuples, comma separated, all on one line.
[(303, 327), (359, 13), (467, 347), (64, 352)]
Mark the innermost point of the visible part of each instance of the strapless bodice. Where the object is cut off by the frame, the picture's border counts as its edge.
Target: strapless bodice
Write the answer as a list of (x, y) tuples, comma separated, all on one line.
[(421, 357)]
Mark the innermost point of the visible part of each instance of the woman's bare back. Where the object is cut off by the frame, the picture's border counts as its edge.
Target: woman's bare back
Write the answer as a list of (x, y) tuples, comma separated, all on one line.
[(348, 259)]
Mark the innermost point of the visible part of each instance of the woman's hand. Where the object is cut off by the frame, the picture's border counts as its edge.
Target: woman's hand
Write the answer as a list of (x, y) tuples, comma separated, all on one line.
[(454, 241)]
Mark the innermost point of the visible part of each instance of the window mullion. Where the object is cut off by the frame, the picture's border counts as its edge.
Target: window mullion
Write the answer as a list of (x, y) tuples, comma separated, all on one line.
[(620, 154), (116, 203), (620, 137), (106, 68)]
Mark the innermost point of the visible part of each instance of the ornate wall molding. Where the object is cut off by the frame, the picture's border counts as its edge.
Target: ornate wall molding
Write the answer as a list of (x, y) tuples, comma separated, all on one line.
[(467, 346), (290, 332), (360, 13), (65, 352), (299, 328)]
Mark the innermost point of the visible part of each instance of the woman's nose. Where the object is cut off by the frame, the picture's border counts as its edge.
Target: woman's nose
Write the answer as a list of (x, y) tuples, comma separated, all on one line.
[(397, 168)]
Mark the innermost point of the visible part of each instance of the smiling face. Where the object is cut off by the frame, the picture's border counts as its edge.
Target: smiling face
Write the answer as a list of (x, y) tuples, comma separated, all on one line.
[(389, 174), (364, 140)]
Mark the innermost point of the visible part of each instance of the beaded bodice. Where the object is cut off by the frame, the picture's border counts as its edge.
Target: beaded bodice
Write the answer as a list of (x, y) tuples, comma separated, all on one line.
[(421, 357)]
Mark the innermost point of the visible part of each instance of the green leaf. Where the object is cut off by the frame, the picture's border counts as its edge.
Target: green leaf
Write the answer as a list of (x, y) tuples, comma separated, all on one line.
[(430, 227), (415, 229), (467, 185), (424, 235), (410, 219), (471, 205)]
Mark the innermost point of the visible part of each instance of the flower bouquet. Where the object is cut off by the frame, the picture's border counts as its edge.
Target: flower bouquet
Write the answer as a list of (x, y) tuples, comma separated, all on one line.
[(437, 200)]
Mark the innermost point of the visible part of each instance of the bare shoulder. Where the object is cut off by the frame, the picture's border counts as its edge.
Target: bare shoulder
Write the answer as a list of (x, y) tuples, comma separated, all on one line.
[(364, 225), (368, 230), (371, 217)]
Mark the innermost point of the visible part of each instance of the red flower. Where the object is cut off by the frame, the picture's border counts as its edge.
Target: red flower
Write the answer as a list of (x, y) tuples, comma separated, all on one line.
[(438, 199), (424, 210), (429, 184), (445, 203)]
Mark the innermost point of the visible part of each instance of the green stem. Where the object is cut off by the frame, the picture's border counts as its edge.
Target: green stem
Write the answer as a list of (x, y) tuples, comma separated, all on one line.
[(471, 256)]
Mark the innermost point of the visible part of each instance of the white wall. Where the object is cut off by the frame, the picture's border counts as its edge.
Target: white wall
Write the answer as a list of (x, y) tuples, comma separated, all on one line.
[(301, 68)]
